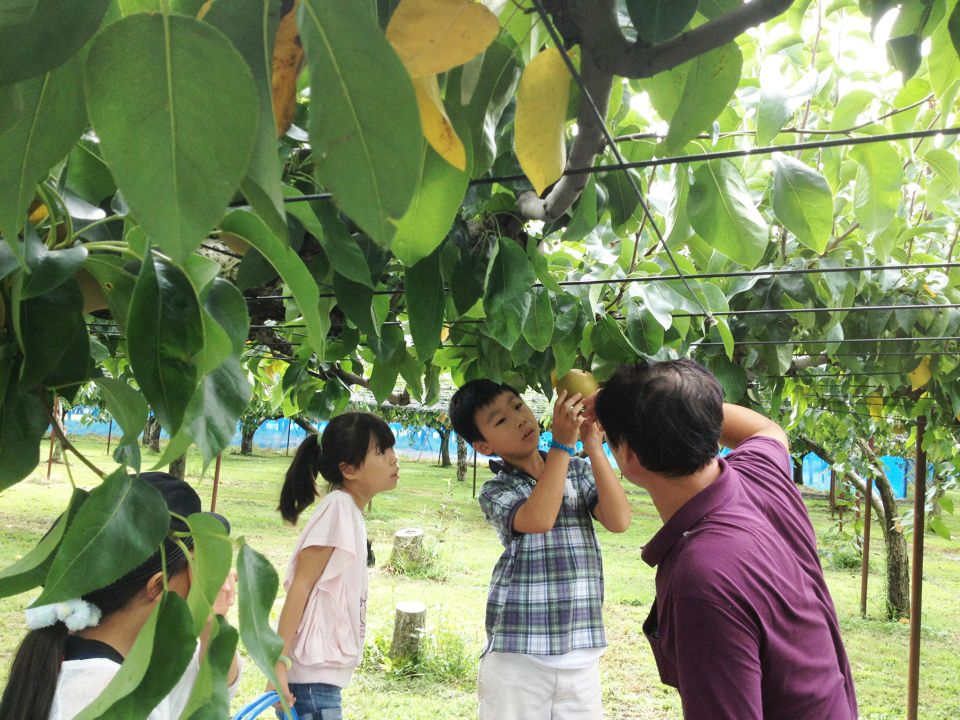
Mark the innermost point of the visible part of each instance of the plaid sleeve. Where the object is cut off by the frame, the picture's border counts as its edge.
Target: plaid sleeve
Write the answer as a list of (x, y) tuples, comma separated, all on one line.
[(500, 499), (581, 473)]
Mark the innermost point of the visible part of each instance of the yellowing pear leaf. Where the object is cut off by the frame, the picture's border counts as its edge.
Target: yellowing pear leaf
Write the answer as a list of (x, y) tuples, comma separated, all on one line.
[(436, 125), (921, 374), (287, 62), (39, 214), (875, 405), (433, 36), (539, 123), (930, 292)]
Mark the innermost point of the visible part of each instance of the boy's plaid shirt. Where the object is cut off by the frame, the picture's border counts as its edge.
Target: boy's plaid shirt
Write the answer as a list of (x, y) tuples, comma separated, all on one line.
[(546, 593)]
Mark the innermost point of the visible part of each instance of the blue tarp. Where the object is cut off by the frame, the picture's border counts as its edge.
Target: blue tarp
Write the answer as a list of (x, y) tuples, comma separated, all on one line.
[(816, 473)]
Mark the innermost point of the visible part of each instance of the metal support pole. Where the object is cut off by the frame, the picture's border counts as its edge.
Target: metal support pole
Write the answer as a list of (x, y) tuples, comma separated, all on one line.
[(289, 425), (109, 435), (865, 570), (216, 484), (474, 473), (916, 587)]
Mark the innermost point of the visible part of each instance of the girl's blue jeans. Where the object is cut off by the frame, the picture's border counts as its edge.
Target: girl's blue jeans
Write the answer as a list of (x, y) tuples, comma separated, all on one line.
[(316, 701)]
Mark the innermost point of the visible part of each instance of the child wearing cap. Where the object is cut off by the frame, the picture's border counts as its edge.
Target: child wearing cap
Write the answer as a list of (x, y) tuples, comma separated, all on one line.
[(74, 649)]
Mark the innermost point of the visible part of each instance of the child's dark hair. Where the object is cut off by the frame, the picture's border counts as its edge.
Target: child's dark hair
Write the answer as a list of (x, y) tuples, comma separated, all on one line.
[(346, 439), (32, 683), (468, 400)]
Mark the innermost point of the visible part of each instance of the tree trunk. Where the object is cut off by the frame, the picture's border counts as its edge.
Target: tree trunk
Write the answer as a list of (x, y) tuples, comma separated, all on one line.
[(461, 459), (178, 468), (935, 511), (898, 559), (151, 434), (57, 447), (246, 439), (408, 629), (445, 447), (797, 471)]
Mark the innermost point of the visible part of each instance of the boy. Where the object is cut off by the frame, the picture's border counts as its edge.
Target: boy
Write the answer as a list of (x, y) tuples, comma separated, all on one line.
[(742, 624), (544, 609)]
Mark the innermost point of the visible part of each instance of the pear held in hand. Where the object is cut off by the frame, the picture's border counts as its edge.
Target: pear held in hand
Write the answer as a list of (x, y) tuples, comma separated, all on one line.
[(575, 381)]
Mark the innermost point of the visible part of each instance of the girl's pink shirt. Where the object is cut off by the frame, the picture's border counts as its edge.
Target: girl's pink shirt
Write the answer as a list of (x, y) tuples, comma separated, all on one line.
[(329, 641)]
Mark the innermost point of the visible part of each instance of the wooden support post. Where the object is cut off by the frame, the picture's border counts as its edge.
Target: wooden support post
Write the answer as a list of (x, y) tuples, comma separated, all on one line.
[(916, 587), (865, 570), (408, 630), (216, 484), (289, 425), (833, 491), (109, 435), (54, 418), (407, 547), (474, 473)]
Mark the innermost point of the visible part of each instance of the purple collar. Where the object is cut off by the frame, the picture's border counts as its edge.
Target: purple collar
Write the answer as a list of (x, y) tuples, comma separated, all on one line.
[(692, 512)]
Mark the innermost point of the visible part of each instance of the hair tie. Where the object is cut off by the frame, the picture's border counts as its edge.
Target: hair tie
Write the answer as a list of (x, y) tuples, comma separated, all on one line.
[(76, 614)]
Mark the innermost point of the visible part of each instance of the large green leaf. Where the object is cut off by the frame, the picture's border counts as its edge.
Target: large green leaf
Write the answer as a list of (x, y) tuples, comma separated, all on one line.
[(34, 43), (120, 525), (356, 302), (479, 109), (165, 339), (23, 419), (209, 699), (538, 327), (191, 94), (40, 120), (778, 104), (251, 25), (364, 124), (696, 93), (53, 335), (212, 557), (116, 282), (47, 268), (162, 651), (256, 592), (423, 288), (439, 193), (228, 307), (290, 267), (659, 20), (721, 211), (216, 406), (507, 296), (802, 201), (31, 570), (879, 186), (127, 406), (345, 255)]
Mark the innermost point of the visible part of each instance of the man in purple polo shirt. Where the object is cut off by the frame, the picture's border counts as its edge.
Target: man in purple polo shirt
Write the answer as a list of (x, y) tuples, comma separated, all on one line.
[(743, 624)]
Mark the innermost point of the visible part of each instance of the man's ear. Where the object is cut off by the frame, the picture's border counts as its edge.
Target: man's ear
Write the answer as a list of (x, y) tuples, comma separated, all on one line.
[(632, 467)]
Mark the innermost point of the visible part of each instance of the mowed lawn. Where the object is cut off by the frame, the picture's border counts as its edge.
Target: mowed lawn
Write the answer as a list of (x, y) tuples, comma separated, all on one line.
[(454, 591)]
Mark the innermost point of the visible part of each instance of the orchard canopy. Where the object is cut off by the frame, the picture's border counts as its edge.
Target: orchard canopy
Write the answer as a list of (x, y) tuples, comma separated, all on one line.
[(205, 204)]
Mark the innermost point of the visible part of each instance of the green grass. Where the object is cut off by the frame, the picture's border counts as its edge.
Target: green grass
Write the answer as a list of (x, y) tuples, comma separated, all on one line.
[(454, 589)]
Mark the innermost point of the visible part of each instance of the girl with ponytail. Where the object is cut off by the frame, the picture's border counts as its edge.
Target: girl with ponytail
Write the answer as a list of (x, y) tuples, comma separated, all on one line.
[(324, 615), (75, 648)]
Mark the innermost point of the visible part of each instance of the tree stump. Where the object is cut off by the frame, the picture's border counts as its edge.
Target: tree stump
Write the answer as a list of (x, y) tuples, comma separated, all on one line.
[(408, 630), (407, 547)]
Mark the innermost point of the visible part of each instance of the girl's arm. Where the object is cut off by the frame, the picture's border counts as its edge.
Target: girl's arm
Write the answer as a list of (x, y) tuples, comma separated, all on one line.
[(310, 566)]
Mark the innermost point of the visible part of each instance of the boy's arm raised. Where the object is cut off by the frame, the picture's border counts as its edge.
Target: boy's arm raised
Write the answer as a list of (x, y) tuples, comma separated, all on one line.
[(613, 508), (539, 513)]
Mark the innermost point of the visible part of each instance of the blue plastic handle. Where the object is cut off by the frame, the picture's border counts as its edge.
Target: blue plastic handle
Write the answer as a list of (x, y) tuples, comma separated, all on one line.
[(262, 703)]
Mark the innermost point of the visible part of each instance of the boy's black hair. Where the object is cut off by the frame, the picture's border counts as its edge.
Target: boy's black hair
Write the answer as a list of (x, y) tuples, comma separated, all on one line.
[(468, 401), (669, 413)]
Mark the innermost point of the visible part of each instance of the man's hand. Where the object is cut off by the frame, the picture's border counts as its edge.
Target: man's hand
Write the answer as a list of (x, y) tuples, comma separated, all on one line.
[(567, 418)]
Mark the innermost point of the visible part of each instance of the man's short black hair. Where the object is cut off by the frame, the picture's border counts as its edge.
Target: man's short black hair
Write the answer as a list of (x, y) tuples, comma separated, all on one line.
[(468, 401), (669, 413)]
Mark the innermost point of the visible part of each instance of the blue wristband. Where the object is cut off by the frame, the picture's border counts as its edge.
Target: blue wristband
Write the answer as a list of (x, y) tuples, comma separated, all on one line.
[(560, 446)]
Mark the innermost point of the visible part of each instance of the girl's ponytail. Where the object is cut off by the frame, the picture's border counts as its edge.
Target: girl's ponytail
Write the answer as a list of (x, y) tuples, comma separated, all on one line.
[(32, 683), (300, 484)]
